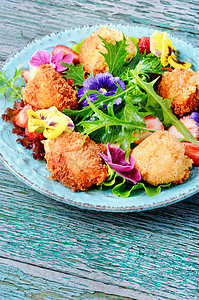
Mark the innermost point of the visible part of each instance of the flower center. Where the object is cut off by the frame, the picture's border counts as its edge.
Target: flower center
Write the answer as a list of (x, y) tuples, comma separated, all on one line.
[(103, 90)]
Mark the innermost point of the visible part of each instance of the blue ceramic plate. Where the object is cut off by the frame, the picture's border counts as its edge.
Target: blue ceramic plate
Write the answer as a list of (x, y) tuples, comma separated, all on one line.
[(34, 173)]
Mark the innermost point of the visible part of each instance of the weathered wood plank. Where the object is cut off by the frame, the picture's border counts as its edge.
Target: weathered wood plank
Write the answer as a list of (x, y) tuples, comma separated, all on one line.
[(112, 249), (23, 21), (49, 250), (22, 281)]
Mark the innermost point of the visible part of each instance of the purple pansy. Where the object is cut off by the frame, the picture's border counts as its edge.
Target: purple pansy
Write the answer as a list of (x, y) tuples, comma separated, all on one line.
[(43, 57), (104, 83), (195, 117), (116, 160)]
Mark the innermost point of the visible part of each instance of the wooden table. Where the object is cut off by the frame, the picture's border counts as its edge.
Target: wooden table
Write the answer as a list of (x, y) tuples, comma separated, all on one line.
[(49, 250)]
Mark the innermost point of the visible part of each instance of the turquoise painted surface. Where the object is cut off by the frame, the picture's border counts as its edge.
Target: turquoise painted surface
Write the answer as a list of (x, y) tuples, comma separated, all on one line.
[(49, 250), (133, 255)]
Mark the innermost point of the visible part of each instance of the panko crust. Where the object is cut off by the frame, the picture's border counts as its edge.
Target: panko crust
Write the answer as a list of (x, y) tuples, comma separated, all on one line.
[(74, 165), (90, 56), (181, 86), (161, 159), (48, 88)]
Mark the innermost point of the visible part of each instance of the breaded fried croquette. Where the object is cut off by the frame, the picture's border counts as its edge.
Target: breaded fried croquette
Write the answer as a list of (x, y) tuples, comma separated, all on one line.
[(74, 165), (181, 86), (47, 88), (90, 55), (161, 159)]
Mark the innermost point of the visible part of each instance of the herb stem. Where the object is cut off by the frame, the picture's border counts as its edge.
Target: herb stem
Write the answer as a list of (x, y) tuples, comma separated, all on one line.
[(13, 87)]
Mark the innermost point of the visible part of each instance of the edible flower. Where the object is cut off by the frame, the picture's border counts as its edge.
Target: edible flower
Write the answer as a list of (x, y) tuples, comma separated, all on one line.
[(195, 117), (49, 121), (43, 57), (104, 83), (161, 46), (116, 160)]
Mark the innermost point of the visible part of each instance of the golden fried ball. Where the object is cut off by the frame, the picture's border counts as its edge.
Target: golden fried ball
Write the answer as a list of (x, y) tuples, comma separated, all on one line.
[(48, 88), (181, 86), (90, 55), (161, 159), (74, 165)]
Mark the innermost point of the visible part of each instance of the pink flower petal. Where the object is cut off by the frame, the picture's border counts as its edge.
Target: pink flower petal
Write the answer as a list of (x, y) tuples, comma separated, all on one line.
[(133, 175), (67, 59), (57, 57), (41, 57), (116, 160)]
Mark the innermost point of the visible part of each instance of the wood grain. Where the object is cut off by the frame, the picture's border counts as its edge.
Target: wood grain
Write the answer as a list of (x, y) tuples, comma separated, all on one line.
[(115, 251), (49, 250), (23, 21)]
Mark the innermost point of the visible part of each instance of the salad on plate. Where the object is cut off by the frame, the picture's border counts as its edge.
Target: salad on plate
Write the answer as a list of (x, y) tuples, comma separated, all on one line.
[(115, 112)]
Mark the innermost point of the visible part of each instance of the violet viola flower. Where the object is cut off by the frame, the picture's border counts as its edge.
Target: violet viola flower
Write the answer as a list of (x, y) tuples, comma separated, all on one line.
[(116, 160), (43, 57), (104, 83), (195, 117)]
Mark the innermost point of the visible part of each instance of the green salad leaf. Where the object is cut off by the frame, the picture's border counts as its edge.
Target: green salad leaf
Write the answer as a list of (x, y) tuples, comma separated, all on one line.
[(74, 72), (122, 187), (115, 129), (134, 40), (77, 47), (149, 64), (115, 55), (11, 89)]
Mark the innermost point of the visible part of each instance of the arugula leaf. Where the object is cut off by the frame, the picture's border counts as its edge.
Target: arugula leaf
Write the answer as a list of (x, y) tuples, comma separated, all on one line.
[(11, 89), (74, 72), (160, 108)]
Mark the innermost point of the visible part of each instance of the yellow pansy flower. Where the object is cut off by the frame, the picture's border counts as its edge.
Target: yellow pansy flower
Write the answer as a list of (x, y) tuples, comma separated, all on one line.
[(167, 50), (50, 121), (161, 46), (156, 45)]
